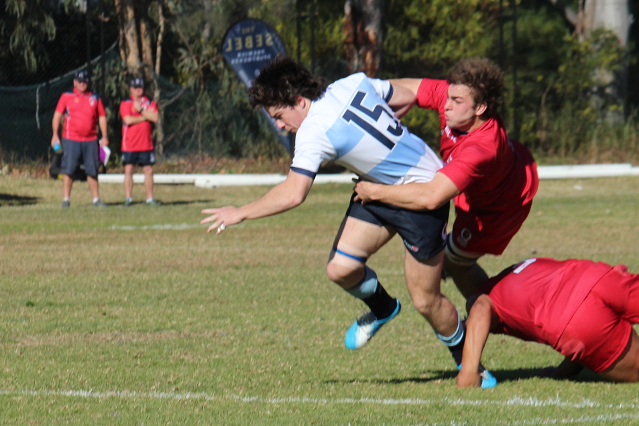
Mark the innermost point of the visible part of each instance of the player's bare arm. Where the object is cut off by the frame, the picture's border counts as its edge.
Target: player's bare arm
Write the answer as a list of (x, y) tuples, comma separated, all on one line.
[(404, 95), (55, 124), (102, 121), (150, 115), (285, 196), (413, 196), (130, 120), (478, 325)]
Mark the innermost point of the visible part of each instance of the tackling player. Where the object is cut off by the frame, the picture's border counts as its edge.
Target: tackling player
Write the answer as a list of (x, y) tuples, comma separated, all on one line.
[(491, 177), (351, 122), (584, 310)]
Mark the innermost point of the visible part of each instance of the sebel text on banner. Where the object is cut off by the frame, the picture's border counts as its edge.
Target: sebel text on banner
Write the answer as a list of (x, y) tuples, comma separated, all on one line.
[(248, 45)]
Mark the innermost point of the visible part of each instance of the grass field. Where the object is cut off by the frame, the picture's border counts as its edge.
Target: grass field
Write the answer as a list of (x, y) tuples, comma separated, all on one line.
[(138, 317)]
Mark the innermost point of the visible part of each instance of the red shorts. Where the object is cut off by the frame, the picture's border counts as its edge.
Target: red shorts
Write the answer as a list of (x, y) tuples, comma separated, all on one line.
[(601, 328), (487, 233)]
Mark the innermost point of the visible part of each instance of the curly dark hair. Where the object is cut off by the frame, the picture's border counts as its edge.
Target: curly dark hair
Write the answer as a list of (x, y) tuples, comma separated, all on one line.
[(485, 79), (281, 81)]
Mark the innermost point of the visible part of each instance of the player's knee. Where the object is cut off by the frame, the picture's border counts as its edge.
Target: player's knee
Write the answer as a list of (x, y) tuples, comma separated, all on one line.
[(342, 274), (345, 269), (426, 304)]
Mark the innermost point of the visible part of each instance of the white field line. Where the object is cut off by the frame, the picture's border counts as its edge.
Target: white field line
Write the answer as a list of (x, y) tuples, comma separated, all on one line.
[(599, 419), (515, 401), (512, 402)]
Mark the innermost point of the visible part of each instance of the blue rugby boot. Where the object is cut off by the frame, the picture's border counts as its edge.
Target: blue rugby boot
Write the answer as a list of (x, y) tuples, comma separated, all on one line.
[(365, 328)]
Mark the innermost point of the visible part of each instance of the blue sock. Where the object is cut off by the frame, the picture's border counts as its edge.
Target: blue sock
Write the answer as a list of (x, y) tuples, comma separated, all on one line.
[(371, 292)]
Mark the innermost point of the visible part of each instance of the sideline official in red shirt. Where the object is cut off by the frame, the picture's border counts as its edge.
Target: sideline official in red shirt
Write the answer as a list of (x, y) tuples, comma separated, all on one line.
[(83, 111), (138, 112)]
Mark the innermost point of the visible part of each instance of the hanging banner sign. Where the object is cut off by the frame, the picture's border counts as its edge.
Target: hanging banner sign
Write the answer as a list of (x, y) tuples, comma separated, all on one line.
[(249, 45)]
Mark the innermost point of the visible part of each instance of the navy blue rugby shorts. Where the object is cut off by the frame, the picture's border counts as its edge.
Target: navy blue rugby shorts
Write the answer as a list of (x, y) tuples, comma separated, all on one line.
[(76, 153), (423, 232), (141, 158)]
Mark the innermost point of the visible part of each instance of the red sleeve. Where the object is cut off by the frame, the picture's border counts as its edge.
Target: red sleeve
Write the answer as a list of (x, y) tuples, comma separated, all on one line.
[(469, 164), (62, 104), (125, 109), (153, 106), (101, 111), (432, 94)]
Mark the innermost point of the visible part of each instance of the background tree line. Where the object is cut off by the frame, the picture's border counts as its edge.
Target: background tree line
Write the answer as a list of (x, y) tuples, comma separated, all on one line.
[(573, 62)]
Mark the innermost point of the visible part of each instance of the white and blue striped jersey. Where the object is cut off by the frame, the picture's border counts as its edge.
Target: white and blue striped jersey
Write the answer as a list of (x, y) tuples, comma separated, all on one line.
[(353, 125)]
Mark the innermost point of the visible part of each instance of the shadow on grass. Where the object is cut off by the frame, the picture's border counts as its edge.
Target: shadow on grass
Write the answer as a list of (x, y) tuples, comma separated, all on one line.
[(182, 203), (434, 376), (502, 376), (16, 200), (586, 376), (167, 203)]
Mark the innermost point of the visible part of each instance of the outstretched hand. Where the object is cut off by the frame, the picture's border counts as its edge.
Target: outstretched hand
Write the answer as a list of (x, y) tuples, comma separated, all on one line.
[(221, 218)]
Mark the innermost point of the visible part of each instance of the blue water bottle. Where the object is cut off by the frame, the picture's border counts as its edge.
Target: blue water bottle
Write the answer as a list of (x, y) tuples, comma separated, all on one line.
[(56, 147)]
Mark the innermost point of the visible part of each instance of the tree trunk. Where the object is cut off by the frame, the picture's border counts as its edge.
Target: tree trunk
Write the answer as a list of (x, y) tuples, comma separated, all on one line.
[(129, 50), (363, 35), (613, 15), (142, 15)]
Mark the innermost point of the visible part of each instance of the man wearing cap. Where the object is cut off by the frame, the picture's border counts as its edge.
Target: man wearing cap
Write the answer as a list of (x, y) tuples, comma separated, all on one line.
[(83, 111), (138, 112)]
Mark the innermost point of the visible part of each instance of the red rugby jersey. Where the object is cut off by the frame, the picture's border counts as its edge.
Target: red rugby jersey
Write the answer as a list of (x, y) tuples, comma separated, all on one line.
[(493, 172), (81, 113), (137, 137), (536, 299)]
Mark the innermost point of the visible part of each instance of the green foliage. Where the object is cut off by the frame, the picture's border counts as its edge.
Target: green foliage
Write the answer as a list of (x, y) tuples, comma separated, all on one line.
[(579, 95), (327, 58), (561, 81), (420, 43), (212, 115), (26, 24), (587, 69)]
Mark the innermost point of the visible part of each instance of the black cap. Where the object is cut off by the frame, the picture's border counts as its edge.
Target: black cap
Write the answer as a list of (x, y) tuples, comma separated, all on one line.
[(82, 76), (137, 82)]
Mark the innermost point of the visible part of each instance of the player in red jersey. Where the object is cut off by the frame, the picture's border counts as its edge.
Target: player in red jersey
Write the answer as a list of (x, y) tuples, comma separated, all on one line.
[(491, 177), (83, 111), (138, 112), (584, 310)]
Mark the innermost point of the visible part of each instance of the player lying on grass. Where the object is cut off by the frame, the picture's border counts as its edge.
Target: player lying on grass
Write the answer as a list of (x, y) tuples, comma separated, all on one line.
[(491, 178), (351, 122), (584, 310)]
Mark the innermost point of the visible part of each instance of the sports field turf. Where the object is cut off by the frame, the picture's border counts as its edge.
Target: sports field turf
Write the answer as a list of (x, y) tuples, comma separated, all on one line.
[(135, 316)]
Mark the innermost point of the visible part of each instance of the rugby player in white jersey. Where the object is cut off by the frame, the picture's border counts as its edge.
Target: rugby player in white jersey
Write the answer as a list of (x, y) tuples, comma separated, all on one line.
[(351, 122)]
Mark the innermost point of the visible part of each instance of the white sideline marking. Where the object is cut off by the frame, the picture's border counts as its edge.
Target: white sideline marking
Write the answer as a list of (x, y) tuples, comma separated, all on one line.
[(514, 401), (216, 180), (545, 421)]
